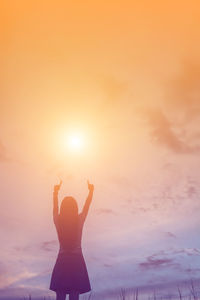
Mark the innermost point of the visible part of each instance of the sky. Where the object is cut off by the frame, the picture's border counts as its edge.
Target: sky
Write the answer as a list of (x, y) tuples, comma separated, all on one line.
[(126, 76)]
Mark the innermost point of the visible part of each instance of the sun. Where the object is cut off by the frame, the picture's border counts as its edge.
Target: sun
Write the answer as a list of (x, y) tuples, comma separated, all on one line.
[(75, 142), (72, 142)]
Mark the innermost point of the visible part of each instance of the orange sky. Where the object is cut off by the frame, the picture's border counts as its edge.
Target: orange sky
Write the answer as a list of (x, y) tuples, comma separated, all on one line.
[(69, 62), (125, 73)]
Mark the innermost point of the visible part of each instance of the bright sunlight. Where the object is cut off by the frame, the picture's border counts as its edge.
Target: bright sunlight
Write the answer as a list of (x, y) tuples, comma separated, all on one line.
[(74, 142)]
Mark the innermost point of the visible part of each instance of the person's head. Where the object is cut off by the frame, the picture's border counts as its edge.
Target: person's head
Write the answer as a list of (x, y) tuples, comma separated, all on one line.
[(69, 207), (68, 219)]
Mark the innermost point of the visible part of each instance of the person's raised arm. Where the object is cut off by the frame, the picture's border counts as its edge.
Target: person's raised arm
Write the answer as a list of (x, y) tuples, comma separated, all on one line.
[(55, 201), (88, 200)]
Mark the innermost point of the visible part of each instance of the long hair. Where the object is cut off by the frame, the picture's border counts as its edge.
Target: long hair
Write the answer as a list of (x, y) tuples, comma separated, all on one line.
[(68, 222)]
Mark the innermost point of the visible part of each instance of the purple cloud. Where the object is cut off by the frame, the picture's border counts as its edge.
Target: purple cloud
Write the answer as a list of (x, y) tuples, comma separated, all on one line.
[(49, 245), (170, 234), (171, 251), (153, 263), (192, 270)]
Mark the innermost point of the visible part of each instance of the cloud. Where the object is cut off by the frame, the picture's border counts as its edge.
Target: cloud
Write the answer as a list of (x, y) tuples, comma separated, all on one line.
[(177, 126), (20, 249), (189, 251), (104, 211), (191, 191), (45, 246), (183, 91), (163, 133), (166, 259), (153, 263), (192, 270), (49, 245), (107, 265), (174, 251), (9, 275), (170, 235), (143, 209)]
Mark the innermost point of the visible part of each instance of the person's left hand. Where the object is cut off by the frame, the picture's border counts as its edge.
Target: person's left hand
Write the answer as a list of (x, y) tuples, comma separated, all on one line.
[(57, 186)]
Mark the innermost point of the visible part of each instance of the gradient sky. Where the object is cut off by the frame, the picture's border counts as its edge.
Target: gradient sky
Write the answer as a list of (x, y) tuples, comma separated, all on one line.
[(127, 75)]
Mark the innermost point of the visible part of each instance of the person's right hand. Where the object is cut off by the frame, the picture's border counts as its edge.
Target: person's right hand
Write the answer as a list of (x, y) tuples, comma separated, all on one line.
[(57, 186), (90, 186)]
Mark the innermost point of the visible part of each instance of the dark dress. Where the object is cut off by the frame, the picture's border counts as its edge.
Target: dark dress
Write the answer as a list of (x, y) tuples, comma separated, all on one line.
[(70, 272)]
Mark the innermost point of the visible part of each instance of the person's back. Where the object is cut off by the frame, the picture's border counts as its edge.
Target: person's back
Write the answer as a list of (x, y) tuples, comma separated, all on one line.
[(67, 245), (70, 275)]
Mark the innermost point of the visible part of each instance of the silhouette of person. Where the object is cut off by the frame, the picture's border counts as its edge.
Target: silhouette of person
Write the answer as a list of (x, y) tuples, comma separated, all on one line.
[(69, 275)]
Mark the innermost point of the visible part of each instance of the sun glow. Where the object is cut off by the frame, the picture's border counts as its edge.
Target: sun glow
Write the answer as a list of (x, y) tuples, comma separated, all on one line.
[(74, 142)]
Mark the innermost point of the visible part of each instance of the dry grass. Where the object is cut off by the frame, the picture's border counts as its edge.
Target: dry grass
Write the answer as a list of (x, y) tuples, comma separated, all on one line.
[(190, 293)]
